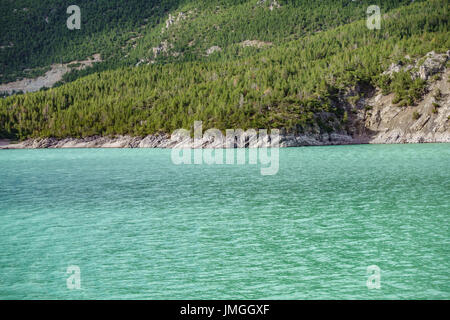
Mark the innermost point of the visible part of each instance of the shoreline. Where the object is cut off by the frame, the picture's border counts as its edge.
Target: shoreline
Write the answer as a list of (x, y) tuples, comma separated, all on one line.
[(164, 141)]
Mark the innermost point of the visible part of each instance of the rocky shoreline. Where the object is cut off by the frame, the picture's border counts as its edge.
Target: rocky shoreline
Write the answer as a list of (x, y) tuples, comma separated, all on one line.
[(165, 141)]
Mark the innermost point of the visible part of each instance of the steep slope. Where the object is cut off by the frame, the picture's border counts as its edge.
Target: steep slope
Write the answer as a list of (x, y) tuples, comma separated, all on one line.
[(127, 33), (314, 86), (428, 120), (35, 35)]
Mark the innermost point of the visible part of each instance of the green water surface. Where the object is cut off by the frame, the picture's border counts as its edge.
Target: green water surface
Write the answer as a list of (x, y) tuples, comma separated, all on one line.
[(140, 227)]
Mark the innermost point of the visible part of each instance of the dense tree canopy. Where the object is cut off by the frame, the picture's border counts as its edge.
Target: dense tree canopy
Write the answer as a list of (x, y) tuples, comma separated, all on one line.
[(287, 85), (34, 33)]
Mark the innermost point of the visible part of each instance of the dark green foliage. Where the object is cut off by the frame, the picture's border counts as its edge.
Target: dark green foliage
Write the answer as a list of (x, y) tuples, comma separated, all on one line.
[(407, 91), (34, 33), (384, 82), (32, 42)]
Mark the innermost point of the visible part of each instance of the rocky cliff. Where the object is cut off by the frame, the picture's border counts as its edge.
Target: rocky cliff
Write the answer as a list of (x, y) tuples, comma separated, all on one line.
[(381, 120)]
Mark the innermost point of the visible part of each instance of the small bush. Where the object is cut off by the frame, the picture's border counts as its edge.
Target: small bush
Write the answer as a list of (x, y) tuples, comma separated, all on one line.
[(345, 118), (396, 100), (421, 61), (416, 115), (438, 94), (407, 91), (353, 100), (384, 82), (403, 103), (436, 77)]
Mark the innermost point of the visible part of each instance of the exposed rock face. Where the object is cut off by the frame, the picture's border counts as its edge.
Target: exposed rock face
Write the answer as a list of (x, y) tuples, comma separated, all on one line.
[(213, 49), (169, 21), (164, 47), (179, 141), (51, 77), (273, 4), (434, 63), (430, 65), (395, 68), (428, 121), (174, 19), (255, 43)]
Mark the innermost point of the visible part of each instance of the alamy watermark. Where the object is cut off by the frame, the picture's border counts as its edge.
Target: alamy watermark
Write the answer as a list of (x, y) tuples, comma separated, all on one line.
[(73, 282), (237, 147), (374, 17), (373, 20), (74, 21), (374, 277)]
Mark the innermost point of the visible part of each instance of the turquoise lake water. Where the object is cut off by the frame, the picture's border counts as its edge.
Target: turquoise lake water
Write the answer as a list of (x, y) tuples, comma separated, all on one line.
[(140, 227)]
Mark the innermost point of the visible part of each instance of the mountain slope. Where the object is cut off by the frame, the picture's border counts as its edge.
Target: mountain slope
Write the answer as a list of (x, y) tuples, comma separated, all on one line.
[(34, 33), (125, 33), (304, 83)]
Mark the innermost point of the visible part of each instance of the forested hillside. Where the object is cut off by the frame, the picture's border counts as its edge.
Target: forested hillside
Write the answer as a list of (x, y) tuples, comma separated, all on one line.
[(305, 59), (34, 33)]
